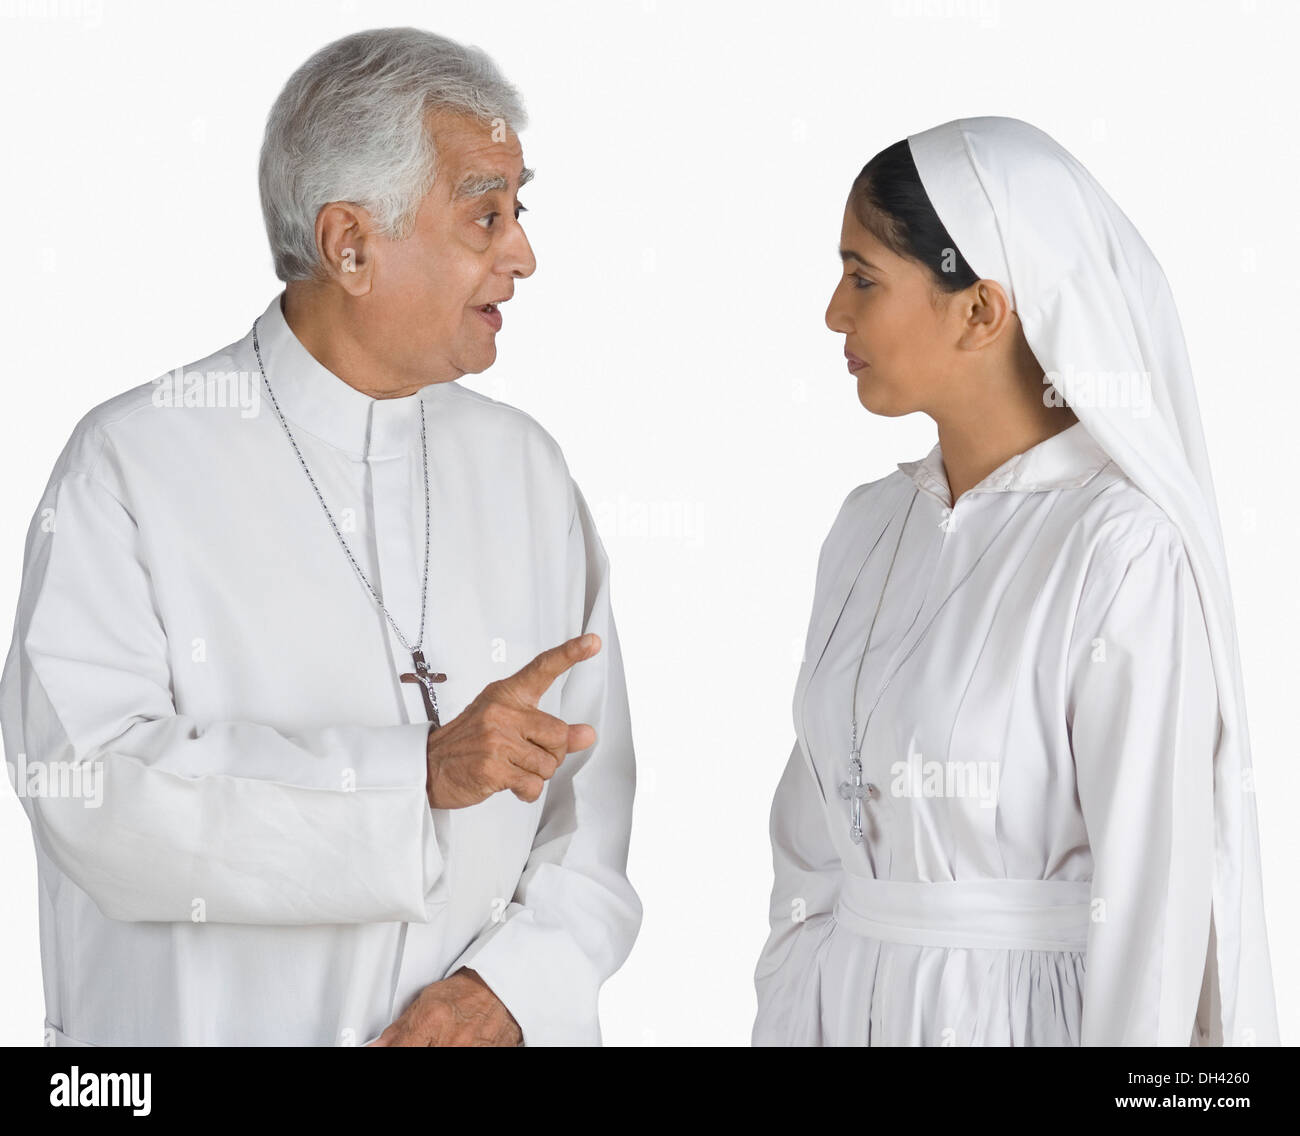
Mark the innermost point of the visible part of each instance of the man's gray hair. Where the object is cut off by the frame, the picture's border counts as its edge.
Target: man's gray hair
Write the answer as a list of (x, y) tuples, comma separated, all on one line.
[(350, 125)]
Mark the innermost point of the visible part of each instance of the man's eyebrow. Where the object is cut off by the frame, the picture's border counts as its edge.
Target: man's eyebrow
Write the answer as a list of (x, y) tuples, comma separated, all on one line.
[(476, 185), (848, 254)]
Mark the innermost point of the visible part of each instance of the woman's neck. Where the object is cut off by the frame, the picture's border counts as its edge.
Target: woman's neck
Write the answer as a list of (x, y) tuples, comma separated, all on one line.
[(974, 445)]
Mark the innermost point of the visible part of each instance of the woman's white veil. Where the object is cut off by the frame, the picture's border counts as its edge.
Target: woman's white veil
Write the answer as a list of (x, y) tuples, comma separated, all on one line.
[(1100, 318)]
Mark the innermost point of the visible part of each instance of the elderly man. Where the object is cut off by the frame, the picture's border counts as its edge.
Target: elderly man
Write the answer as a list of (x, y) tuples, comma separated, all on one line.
[(338, 659)]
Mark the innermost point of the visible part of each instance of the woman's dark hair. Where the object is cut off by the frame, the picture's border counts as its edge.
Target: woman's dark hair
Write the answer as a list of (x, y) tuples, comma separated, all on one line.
[(889, 200)]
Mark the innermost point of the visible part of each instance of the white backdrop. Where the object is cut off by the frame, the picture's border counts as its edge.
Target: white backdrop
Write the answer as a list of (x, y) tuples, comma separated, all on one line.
[(693, 161)]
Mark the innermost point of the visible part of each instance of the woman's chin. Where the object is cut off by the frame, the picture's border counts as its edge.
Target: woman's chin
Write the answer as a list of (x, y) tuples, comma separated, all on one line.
[(878, 401)]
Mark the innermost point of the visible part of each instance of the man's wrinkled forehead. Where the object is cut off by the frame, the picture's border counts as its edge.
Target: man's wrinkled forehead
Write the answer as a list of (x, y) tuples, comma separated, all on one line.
[(475, 158), (478, 183)]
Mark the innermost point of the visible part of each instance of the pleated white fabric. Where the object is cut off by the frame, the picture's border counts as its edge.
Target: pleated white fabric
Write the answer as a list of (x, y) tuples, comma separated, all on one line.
[(1101, 320), (1038, 680)]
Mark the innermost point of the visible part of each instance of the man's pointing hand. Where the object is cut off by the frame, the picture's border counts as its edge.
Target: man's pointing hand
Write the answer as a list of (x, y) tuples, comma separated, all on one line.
[(502, 741)]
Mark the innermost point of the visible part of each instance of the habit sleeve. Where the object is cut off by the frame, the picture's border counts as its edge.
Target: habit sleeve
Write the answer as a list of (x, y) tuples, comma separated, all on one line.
[(1143, 721), (806, 882), (217, 821), (574, 915)]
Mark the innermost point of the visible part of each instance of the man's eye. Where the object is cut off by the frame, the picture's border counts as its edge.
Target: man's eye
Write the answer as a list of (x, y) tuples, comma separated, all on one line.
[(491, 217)]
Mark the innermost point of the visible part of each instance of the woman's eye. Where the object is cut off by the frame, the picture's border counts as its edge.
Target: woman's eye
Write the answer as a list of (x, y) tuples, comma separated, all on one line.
[(860, 282)]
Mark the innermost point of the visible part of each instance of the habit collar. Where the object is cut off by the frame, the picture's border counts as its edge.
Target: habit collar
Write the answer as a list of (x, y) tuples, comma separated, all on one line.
[(1064, 461)]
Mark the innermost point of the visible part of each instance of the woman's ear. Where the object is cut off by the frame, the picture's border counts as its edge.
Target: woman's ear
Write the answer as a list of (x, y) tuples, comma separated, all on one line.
[(986, 315)]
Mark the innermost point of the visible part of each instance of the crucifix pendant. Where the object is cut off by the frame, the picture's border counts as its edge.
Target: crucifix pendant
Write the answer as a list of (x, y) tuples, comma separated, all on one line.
[(426, 678), (854, 790)]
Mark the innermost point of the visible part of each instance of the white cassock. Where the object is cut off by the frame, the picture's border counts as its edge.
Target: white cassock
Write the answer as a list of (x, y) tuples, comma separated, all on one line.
[(263, 867), (1037, 862)]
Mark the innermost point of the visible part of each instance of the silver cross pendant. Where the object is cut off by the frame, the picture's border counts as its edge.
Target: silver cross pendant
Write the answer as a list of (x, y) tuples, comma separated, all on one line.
[(855, 790)]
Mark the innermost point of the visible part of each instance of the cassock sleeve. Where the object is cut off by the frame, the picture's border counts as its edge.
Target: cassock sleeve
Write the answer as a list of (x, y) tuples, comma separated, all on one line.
[(205, 821), (574, 915), (806, 882), (1143, 720)]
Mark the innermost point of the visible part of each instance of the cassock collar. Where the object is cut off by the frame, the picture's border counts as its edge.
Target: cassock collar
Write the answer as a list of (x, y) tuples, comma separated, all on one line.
[(1063, 461), (315, 399)]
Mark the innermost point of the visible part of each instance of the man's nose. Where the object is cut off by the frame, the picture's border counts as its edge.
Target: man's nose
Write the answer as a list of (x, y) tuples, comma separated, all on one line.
[(520, 261)]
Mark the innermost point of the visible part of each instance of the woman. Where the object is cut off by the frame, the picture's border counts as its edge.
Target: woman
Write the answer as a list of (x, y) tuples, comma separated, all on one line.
[(1018, 810)]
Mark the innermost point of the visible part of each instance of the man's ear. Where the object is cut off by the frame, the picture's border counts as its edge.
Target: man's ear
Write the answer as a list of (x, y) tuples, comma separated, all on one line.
[(346, 253)]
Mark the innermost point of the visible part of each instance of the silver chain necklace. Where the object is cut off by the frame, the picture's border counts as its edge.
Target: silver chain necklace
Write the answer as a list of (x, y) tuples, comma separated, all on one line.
[(424, 677), (855, 789)]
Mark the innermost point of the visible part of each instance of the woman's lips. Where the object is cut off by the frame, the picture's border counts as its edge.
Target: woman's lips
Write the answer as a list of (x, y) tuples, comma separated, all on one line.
[(855, 364), (491, 315)]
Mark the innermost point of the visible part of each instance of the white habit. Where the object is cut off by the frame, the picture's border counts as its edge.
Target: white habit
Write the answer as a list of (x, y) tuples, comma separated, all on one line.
[(1066, 635), (1037, 677), (263, 867)]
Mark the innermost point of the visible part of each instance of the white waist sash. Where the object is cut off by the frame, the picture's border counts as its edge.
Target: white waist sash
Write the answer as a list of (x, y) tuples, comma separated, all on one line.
[(1028, 915)]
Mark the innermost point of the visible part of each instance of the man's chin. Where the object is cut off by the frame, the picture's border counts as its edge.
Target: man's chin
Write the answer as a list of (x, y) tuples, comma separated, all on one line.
[(477, 360)]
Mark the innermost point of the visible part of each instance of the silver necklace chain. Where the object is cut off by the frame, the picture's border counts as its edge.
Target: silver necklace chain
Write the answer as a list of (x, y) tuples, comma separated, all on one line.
[(855, 789), (424, 450), (871, 630)]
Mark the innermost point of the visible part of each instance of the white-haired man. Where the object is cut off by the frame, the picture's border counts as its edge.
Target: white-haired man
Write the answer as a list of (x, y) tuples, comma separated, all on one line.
[(340, 661)]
